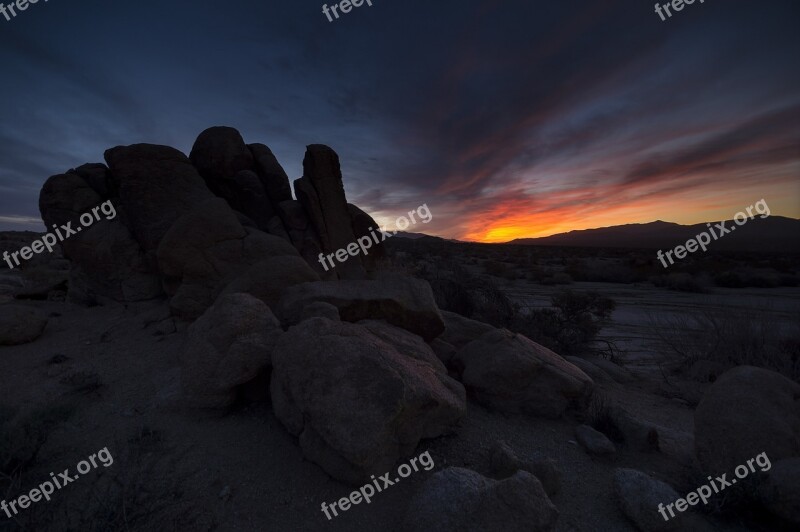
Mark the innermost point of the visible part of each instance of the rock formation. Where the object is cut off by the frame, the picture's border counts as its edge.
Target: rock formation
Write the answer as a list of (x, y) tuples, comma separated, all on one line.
[(189, 226)]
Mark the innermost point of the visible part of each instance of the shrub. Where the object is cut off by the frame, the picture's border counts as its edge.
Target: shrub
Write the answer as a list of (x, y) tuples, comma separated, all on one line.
[(458, 290), (571, 326), (732, 339)]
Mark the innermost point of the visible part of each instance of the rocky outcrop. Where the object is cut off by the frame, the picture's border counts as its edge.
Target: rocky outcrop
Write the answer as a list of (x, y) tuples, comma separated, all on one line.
[(227, 347), (405, 302), (356, 403), (157, 191), (747, 411), (511, 373), (20, 324), (461, 500)]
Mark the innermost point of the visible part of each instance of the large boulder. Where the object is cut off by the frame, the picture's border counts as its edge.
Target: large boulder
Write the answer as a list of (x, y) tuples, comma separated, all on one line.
[(20, 324), (405, 342), (461, 500), (405, 302), (356, 403), (157, 185), (747, 411), (205, 250), (219, 153), (228, 346), (511, 373), (270, 278), (459, 331), (98, 177), (64, 197), (639, 496)]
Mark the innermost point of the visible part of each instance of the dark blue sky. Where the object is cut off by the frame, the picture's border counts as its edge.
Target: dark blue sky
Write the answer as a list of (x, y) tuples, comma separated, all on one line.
[(508, 118)]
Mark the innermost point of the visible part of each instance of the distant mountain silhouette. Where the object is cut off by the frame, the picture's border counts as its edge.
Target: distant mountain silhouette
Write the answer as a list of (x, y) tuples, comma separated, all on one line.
[(772, 234), (412, 236)]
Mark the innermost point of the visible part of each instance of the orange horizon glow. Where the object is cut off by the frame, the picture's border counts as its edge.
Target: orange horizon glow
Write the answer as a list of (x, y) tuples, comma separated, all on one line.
[(524, 218)]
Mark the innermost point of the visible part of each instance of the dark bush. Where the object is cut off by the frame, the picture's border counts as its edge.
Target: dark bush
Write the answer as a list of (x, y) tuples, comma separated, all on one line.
[(570, 326)]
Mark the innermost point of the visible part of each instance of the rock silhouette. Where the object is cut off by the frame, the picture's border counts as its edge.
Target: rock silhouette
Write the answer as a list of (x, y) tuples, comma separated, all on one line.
[(189, 226)]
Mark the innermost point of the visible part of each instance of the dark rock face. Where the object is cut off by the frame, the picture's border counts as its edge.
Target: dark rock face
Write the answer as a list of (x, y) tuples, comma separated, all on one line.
[(157, 185), (511, 373), (107, 259), (747, 411), (405, 302), (206, 249), (355, 401), (219, 153), (322, 194), (98, 177), (228, 346), (158, 192), (271, 173)]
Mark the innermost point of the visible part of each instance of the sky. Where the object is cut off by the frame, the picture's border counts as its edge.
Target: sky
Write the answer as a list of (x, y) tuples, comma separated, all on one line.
[(508, 118)]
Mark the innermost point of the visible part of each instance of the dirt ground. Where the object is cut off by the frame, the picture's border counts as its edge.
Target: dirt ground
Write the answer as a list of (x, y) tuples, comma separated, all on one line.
[(180, 469)]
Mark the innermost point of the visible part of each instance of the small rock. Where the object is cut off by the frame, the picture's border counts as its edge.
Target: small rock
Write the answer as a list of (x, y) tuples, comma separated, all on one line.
[(504, 462), (20, 324), (639, 497), (457, 499), (58, 358), (594, 442), (225, 494)]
